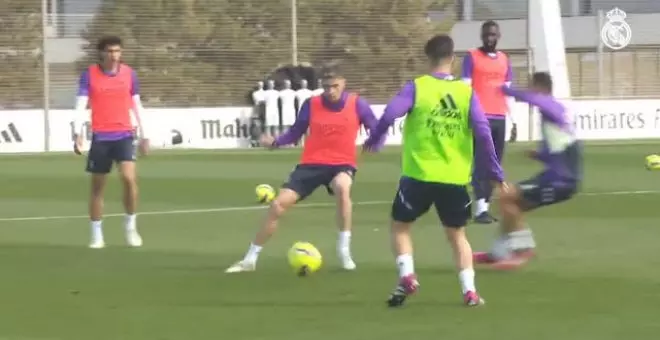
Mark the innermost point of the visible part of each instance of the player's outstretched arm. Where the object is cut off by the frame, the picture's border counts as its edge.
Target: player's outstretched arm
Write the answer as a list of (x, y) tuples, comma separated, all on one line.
[(550, 108), (510, 101), (398, 107), (295, 132), (484, 141), (367, 117)]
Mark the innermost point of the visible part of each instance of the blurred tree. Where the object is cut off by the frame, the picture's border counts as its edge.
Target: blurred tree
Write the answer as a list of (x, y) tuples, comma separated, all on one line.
[(21, 64), (209, 52), (380, 43)]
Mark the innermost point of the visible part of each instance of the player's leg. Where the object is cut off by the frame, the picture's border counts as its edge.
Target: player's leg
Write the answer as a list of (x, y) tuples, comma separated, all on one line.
[(99, 164), (481, 188), (453, 205), (302, 182), (340, 185), (284, 200), (516, 243), (413, 199), (498, 132), (485, 192), (124, 153)]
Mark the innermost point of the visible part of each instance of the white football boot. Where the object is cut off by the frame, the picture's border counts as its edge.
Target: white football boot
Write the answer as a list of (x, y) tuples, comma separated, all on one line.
[(242, 266), (97, 244), (133, 238), (346, 260)]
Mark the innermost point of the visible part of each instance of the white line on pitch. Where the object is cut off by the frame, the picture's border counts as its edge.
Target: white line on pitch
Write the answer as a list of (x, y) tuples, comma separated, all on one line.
[(614, 193), (179, 212), (261, 207)]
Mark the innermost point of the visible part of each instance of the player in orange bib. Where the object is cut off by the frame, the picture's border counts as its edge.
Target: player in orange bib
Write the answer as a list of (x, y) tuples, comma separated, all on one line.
[(111, 89), (487, 70), (328, 159)]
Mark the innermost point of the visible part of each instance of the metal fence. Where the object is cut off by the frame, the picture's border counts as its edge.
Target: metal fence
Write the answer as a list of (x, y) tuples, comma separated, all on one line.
[(211, 53), (633, 72)]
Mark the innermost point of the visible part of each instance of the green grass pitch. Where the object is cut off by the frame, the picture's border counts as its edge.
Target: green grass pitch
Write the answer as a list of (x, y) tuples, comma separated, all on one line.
[(596, 276)]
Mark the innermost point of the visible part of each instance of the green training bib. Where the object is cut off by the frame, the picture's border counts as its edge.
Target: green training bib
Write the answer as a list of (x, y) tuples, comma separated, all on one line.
[(437, 137)]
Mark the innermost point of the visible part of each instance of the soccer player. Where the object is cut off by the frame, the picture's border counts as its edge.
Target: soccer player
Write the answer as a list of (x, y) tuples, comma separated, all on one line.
[(561, 154), (328, 159), (111, 89), (487, 69), (443, 121)]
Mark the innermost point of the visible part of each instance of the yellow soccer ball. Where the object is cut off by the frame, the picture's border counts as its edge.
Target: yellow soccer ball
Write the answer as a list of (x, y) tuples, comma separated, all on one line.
[(653, 162), (304, 258), (265, 193)]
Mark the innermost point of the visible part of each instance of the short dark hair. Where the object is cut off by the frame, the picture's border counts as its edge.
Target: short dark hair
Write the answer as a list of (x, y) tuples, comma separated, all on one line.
[(488, 24), (439, 47), (332, 71), (542, 79), (110, 40)]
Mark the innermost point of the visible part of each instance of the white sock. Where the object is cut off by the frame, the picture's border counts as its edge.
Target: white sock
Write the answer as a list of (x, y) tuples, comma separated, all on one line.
[(522, 239), (97, 230), (466, 277), (129, 222), (253, 253), (406, 265), (501, 247), (482, 206), (344, 243)]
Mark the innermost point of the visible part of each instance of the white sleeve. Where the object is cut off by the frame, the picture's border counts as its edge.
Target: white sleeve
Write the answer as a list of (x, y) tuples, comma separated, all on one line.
[(81, 115), (138, 109)]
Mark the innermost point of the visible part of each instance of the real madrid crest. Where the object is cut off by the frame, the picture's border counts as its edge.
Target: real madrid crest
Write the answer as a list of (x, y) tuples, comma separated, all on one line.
[(616, 33)]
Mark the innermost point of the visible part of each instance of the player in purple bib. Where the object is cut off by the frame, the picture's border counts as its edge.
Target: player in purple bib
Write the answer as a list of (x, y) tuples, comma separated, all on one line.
[(561, 155)]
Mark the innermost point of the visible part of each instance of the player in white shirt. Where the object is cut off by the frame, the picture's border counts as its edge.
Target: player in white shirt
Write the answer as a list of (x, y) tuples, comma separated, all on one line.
[(272, 101), (288, 103), (319, 89), (303, 93)]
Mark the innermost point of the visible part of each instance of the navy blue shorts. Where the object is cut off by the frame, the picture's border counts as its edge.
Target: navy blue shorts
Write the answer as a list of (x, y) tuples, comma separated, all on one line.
[(537, 192), (103, 153), (414, 198), (305, 178)]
